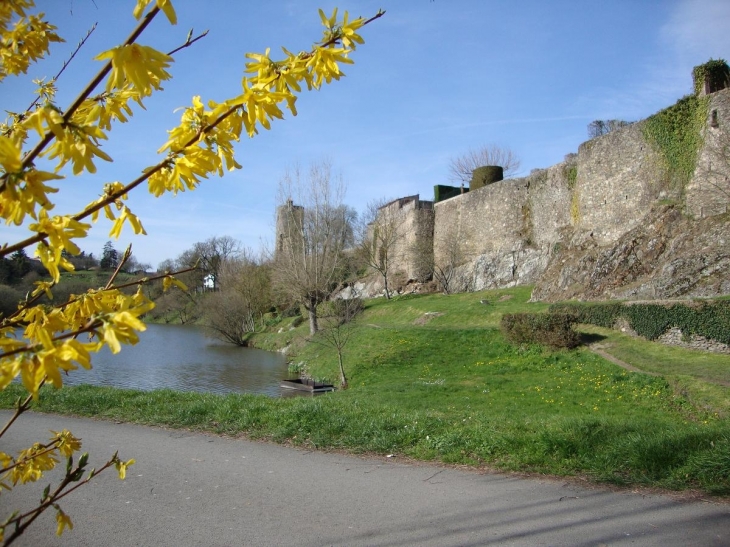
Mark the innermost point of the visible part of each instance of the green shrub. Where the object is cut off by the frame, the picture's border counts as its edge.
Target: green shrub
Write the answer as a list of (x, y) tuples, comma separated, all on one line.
[(9, 298), (554, 329), (442, 192), (708, 319)]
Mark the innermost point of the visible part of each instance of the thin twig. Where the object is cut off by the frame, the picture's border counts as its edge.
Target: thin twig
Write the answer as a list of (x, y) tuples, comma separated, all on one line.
[(57, 495), (188, 42), (125, 257), (65, 64), (21, 407)]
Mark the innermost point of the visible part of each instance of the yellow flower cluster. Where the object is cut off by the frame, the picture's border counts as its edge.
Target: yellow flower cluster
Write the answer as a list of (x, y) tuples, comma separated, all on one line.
[(27, 41), (110, 318), (31, 463), (203, 142)]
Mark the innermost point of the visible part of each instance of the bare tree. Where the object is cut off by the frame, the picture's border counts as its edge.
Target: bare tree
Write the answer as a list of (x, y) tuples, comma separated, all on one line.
[(337, 328), (381, 237), (602, 127), (462, 167), (713, 165), (450, 253), (177, 304), (308, 261), (233, 312)]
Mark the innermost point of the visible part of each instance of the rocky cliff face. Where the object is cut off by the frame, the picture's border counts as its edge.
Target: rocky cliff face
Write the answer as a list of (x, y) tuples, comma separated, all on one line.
[(667, 256)]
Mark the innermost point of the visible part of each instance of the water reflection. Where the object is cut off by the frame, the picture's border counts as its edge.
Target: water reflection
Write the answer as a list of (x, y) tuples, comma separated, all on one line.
[(181, 357)]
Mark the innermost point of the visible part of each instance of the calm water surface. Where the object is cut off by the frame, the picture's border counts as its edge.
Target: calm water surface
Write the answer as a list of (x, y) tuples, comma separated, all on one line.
[(181, 357)]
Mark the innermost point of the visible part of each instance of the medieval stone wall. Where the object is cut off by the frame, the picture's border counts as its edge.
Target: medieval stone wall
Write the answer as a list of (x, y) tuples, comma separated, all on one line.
[(413, 220), (510, 231), (708, 193)]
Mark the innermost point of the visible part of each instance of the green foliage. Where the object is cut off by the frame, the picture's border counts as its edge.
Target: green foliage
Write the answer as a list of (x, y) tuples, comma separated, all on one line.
[(553, 330), (9, 298), (485, 175), (708, 319), (715, 71), (442, 192), (570, 172), (676, 133), (109, 257)]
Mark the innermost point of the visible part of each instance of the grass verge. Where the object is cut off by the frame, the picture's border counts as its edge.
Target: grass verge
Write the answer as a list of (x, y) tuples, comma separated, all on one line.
[(432, 378)]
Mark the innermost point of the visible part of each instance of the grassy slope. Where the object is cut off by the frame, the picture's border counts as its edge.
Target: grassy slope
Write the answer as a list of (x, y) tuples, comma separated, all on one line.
[(446, 386)]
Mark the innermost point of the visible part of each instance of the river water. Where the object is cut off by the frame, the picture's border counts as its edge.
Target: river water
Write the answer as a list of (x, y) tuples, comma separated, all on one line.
[(183, 358)]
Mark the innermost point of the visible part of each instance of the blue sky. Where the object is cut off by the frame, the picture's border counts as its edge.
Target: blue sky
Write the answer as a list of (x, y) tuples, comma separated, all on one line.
[(433, 79)]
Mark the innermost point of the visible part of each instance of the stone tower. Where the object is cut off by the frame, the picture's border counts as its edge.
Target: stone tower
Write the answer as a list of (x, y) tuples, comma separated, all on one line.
[(289, 218)]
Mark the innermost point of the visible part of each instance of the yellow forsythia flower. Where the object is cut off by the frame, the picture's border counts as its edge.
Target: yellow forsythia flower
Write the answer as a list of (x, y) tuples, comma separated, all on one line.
[(164, 5), (67, 443), (31, 464), (142, 66), (63, 521), (122, 467)]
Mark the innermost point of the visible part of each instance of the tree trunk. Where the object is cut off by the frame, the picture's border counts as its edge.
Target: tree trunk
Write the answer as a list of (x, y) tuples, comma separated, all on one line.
[(343, 378), (312, 309), (387, 292)]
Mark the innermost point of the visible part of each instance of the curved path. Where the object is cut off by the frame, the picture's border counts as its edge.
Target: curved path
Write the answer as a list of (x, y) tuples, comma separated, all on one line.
[(192, 489)]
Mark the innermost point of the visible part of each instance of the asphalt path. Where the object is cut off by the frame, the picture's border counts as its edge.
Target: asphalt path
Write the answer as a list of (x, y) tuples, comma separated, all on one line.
[(195, 489)]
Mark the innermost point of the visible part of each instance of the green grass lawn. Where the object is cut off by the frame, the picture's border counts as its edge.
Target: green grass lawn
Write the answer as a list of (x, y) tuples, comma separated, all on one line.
[(432, 378)]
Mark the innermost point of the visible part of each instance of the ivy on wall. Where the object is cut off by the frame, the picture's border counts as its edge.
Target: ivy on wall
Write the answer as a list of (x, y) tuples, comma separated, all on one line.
[(575, 206), (710, 319), (571, 174), (715, 73), (676, 134)]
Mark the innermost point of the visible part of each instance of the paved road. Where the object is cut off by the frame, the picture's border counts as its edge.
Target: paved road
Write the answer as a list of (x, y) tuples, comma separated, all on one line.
[(191, 489)]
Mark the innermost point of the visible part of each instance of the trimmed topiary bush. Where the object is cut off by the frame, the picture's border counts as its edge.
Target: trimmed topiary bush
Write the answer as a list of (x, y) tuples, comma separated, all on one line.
[(488, 174), (554, 329)]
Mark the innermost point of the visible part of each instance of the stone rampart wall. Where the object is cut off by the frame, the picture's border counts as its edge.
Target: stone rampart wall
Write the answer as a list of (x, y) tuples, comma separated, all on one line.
[(619, 176), (674, 337), (708, 193), (509, 230)]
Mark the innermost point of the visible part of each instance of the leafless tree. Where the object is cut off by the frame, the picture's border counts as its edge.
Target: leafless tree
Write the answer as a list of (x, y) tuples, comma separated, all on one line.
[(381, 238), (233, 312), (714, 163), (450, 253), (461, 167), (177, 304), (337, 328), (602, 127), (308, 261)]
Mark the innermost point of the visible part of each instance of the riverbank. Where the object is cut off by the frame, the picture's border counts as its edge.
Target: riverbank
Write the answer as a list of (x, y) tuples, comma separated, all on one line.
[(432, 378)]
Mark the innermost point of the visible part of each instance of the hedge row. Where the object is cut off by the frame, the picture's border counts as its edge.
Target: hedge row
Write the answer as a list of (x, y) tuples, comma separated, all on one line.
[(554, 330), (442, 192), (708, 319)]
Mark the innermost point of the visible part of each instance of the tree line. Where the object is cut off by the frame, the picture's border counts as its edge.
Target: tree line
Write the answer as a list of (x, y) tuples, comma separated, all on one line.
[(323, 246)]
